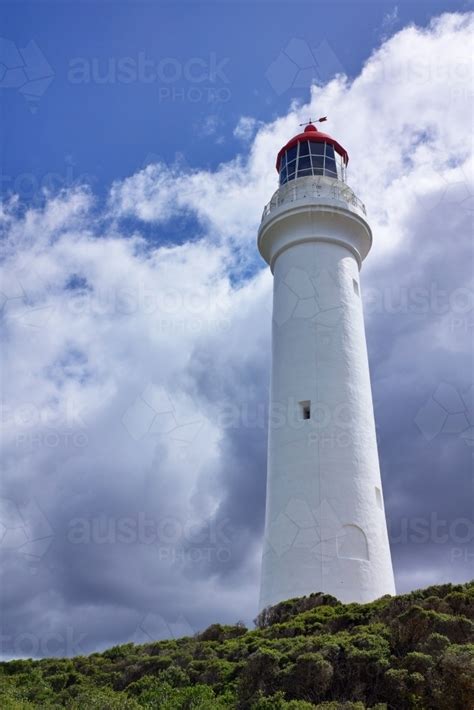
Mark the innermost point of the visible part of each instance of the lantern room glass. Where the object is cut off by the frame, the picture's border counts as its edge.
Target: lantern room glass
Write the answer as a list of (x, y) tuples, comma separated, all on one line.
[(311, 158)]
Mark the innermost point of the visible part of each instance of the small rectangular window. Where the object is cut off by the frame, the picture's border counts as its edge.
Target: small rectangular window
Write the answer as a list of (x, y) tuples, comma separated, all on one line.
[(355, 286), (378, 497), (305, 409)]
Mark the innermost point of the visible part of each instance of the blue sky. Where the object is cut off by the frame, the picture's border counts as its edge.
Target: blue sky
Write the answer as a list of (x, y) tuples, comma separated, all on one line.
[(136, 311), (107, 130)]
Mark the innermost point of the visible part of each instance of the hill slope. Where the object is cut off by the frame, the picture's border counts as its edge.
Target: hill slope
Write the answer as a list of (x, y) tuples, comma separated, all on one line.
[(411, 651)]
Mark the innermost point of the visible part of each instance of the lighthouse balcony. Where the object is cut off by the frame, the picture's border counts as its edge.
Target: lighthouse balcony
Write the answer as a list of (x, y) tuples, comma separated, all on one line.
[(318, 190)]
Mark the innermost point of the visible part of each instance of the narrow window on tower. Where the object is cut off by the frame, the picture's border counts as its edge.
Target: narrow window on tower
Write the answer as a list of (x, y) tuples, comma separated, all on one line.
[(355, 286), (378, 497), (305, 409)]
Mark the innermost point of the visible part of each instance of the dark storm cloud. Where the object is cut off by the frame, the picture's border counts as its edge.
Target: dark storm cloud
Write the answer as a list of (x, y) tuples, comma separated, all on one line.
[(420, 326), (239, 400), (137, 512)]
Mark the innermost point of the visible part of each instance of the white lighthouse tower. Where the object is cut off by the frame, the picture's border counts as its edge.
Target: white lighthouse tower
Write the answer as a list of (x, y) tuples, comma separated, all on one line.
[(325, 527)]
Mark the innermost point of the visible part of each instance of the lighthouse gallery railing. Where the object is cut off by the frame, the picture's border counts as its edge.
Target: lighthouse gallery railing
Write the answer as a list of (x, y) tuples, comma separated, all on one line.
[(311, 188)]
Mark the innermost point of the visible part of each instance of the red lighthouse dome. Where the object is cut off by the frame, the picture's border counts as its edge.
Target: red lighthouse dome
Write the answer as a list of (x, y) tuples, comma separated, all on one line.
[(311, 153)]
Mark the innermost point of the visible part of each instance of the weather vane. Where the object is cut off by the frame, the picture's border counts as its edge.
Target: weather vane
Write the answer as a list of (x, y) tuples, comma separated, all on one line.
[(318, 120)]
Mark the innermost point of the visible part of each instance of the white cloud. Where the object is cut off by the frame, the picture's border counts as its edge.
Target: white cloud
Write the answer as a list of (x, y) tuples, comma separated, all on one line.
[(95, 320), (389, 21), (405, 122), (246, 128)]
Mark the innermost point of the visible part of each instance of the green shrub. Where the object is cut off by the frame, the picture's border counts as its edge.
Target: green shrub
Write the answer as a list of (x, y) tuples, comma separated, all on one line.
[(309, 677), (411, 652)]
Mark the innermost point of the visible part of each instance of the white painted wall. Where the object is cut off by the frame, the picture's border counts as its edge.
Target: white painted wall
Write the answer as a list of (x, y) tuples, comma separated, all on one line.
[(325, 527)]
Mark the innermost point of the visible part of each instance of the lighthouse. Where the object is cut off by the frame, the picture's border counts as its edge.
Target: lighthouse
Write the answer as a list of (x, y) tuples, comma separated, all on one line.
[(325, 525)]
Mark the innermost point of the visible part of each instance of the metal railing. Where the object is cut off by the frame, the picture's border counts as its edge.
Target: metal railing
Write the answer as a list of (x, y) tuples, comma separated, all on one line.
[(317, 188)]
